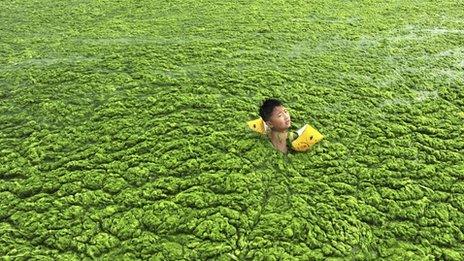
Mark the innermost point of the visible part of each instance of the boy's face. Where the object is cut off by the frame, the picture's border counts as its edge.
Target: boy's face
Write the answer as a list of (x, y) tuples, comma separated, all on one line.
[(280, 119)]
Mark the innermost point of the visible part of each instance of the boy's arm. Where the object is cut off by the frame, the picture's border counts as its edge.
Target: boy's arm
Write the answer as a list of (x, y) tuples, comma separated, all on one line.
[(292, 135)]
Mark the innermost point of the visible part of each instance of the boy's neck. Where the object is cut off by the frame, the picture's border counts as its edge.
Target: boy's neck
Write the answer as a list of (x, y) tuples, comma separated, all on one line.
[(278, 133), (278, 139)]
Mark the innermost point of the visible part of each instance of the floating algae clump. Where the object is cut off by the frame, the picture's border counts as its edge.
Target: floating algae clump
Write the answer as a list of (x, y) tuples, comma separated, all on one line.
[(122, 135)]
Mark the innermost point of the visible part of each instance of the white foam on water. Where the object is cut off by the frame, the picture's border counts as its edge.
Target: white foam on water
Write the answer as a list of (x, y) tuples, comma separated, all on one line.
[(367, 42), (414, 33), (455, 52), (450, 73), (416, 97), (395, 101), (446, 53), (140, 40), (301, 48), (438, 31), (46, 62), (330, 44), (407, 37), (333, 108), (387, 82), (421, 96), (122, 41), (332, 20), (458, 55), (408, 33)]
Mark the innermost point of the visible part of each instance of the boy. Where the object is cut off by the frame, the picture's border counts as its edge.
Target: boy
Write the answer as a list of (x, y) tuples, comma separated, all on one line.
[(277, 118)]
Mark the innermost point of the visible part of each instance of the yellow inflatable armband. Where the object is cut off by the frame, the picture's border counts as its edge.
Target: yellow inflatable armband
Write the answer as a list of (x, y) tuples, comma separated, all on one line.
[(307, 137), (258, 125)]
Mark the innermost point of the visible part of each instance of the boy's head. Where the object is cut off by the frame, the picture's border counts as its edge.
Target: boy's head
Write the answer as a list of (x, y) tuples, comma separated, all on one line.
[(275, 115)]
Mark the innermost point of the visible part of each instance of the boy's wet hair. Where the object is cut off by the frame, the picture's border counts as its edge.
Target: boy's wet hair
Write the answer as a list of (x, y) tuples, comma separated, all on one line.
[(265, 111)]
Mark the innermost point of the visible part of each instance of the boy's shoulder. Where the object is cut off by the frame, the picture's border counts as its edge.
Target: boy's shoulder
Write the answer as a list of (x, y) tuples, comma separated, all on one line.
[(292, 135)]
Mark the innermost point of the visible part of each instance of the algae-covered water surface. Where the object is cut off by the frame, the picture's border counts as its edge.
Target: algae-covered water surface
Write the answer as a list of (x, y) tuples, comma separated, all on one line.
[(123, 130)]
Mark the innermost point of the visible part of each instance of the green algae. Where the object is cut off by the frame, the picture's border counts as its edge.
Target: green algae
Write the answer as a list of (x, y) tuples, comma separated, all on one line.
[(123, 136)]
